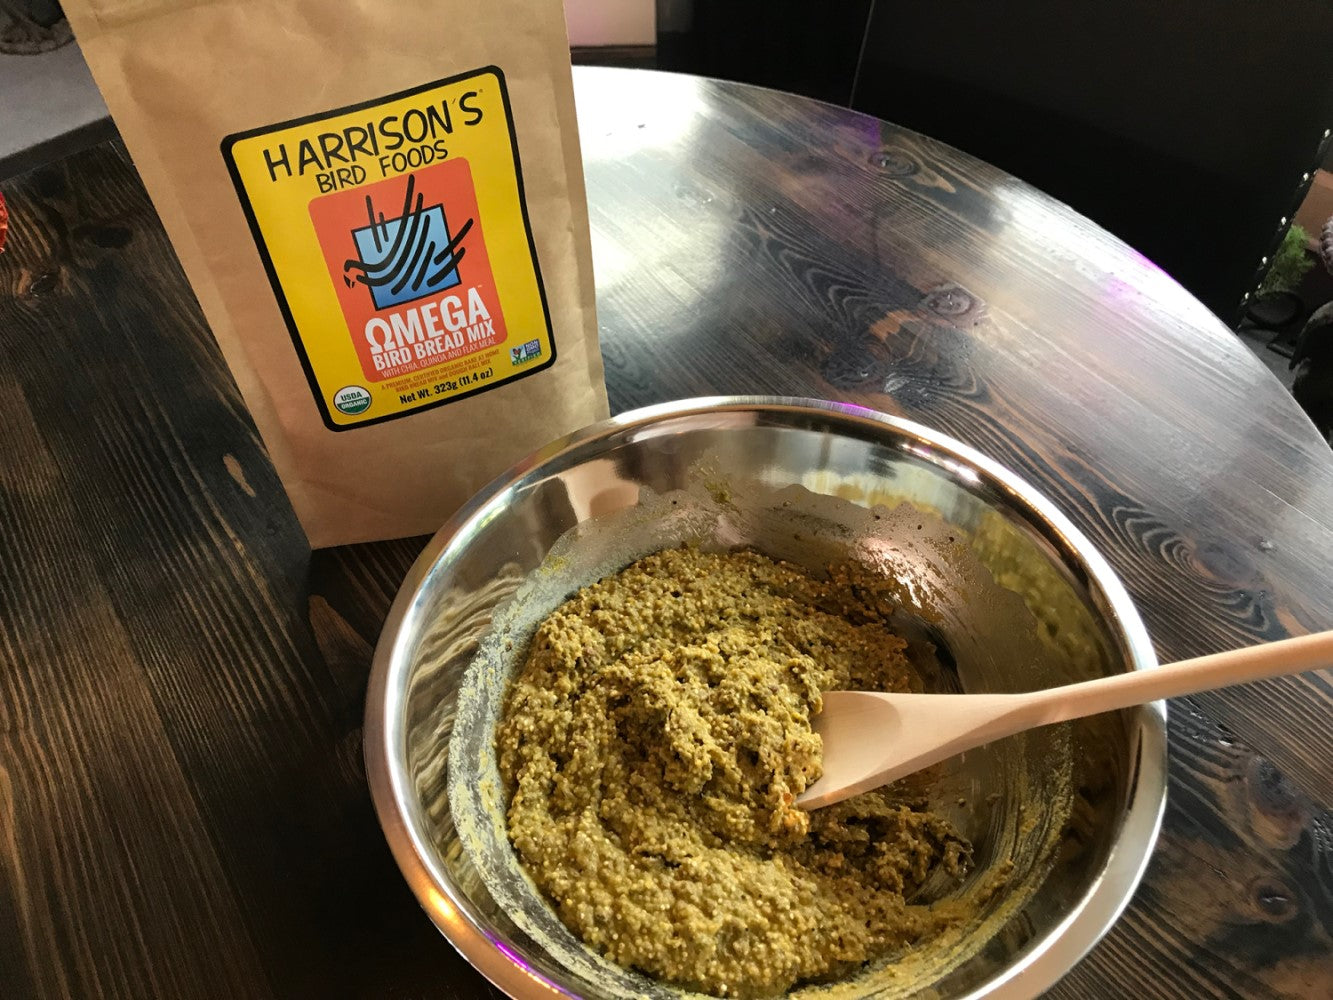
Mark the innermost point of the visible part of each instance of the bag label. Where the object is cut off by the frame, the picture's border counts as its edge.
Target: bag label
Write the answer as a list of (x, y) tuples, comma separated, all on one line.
[(396, 237)]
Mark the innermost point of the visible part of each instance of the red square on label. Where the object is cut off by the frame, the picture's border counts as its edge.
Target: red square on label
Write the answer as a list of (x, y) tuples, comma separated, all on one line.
[(408, 259)]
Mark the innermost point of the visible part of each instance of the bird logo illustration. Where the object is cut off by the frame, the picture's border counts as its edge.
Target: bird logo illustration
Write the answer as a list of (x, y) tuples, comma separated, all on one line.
[(407, 257)]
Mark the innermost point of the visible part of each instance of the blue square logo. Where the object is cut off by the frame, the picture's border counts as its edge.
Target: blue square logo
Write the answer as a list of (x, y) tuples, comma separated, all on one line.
[(403, 264)]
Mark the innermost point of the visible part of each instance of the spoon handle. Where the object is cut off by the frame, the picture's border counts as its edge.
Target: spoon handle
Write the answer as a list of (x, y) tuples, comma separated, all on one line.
[(1203, 673)]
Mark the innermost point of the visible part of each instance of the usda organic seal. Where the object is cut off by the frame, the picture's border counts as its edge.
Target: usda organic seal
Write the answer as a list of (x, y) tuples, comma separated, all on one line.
[(352, 399)]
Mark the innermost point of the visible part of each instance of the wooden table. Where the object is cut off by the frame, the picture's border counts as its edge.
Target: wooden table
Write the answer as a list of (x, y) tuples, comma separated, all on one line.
[(183, 811)]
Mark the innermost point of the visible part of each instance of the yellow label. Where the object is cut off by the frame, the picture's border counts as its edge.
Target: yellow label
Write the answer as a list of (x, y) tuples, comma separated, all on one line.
[(397, 240)]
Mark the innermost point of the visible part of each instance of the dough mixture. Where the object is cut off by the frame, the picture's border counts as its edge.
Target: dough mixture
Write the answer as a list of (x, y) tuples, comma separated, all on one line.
[(653, 745)]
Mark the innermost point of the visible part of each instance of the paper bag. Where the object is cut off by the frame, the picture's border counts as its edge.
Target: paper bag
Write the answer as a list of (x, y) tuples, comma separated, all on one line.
[(380, 207)]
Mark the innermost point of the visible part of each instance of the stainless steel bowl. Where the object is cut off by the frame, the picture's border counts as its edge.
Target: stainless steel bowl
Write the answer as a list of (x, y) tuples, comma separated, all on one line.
[(996, 576)]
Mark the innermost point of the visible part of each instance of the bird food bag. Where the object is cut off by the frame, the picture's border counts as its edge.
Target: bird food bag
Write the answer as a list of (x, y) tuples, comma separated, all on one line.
[(380, 207)]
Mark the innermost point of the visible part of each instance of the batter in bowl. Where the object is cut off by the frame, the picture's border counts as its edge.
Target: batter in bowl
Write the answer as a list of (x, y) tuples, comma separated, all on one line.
[(653, 745)]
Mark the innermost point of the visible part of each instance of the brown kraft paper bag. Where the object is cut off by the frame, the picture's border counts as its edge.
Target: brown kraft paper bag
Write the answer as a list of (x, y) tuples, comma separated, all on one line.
[(380, 207)]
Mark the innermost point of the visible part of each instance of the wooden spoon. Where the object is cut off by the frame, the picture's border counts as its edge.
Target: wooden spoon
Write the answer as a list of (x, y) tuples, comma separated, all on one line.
[(871, 738)]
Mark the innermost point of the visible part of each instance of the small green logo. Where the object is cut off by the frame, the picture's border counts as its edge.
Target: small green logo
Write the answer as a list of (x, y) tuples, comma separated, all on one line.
[(352, 399), (525, 352)]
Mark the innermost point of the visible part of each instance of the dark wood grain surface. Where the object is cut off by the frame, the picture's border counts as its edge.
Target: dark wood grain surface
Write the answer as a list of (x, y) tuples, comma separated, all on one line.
[(183, 811)]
